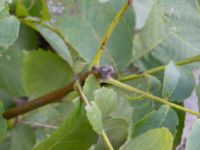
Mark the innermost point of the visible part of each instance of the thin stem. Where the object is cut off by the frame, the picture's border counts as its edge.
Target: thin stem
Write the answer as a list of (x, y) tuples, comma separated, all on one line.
[(108, 33), (81, 94), (40, 125), (155, 98), (86, 102), (107, 141), (159, 69)]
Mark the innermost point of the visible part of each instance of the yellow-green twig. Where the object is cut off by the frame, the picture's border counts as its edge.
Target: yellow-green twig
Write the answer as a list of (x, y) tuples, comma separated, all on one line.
[(148, 95), (86, 102), (108, 33), (159, 69)]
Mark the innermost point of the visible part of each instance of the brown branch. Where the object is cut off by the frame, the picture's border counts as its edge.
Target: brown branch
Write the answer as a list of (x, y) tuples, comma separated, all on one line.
[(44, 100)]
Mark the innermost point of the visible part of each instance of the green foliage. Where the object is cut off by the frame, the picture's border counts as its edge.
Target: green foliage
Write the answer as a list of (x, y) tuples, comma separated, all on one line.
[(9, 31), (44, 45), (49, 72), (178, 83), (157, 139), (3, 124), (164, 117), (95, 117), (106, 100), (84, 22), (23, 138), (75, 133), (192, 142), (11, 72), (170, 33)]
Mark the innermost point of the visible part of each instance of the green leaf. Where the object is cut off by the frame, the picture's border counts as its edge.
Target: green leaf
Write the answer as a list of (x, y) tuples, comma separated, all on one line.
[(106, 100), (178, 83), (171, 78), (23, 138), (164, 117), (141, 111), (3, 123), (95, 117), (3, 2), (156, 139), (55, 41), (21, 10), (75, 133), (9, 29), (45, 11), (193, 137), (170, 33), (44, 71), (117, 132), (11, 72), (142, 10), (153, 83), (91, 84), (82, 25)]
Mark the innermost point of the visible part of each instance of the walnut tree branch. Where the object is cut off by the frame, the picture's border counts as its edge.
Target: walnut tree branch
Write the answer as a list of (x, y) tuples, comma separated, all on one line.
[(45, 99)]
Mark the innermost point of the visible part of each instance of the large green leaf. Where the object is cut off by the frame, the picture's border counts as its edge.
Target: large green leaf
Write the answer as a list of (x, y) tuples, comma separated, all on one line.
[(3, 3), (171, 33), (156, 139), (23, 138), (3, 124), (178, 83), (75, 133), (9, 29), (95, 117), (11, 72), (117, 132), (44, 71), (193, 138), (142, 10), (106, 99), (55, 41), (164, 117), (84, 23)]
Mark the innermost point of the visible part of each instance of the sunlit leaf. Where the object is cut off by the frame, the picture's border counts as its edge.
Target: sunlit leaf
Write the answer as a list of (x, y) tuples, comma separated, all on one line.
[(156, 139), (43, 72)]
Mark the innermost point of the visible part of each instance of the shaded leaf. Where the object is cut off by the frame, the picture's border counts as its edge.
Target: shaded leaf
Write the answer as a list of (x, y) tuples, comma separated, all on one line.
[(43, 72), (82, 25), (55, 41), (95, 117), (142, 9), (117, 132), (193, 138), (153, 83), (170, 33), (3, 123), (156, 139), (23, 138), (75, 133), (11, 72), (171, 78), (9, 26), (164, 117), (106, 100), (178, 83)]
